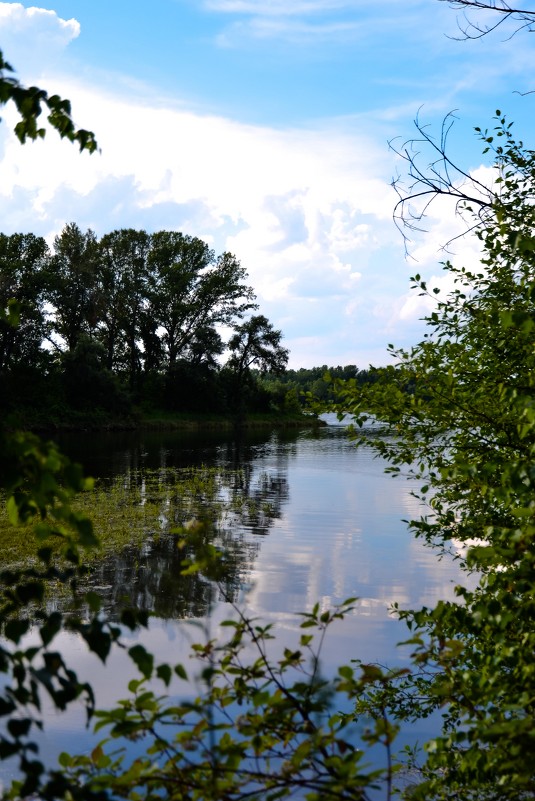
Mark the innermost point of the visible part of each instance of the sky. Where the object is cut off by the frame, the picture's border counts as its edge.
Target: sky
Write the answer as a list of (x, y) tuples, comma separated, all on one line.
[(264, 129)]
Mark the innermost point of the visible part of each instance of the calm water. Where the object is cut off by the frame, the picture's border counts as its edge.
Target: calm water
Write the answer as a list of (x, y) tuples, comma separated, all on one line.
[(330, 527)]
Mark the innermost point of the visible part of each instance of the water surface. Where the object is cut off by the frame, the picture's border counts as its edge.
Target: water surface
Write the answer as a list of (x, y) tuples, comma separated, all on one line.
[(327, 525)]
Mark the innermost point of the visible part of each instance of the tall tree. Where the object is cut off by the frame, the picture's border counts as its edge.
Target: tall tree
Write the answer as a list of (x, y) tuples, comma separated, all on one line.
[(123, 283), (23, 269), (205, 346), (257, 344), (192, 292), (73, 284)]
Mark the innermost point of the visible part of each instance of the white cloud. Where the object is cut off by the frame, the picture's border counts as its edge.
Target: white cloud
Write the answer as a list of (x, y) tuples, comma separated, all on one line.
[(301, 209), (33, 37), (295, 7), (295, 184), (278, 7), (305, 21), (295, 32)]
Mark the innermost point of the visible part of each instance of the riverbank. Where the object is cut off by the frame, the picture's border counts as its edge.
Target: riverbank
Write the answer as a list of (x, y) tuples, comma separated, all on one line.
[(190, 422), (138, 420)]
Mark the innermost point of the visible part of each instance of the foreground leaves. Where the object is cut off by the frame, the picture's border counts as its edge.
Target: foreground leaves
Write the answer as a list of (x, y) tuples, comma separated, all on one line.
[(260, 727), (40, 485)]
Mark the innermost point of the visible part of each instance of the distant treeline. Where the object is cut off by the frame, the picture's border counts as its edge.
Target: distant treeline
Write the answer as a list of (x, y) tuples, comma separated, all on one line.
[(316, 381)]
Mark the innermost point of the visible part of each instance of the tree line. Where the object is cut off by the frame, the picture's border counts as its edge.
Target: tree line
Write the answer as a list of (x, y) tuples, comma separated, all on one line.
[(131, 318)]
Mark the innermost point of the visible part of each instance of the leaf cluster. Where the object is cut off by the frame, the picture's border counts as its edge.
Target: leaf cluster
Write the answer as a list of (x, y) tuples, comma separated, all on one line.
[(456, 414), (30, 103)]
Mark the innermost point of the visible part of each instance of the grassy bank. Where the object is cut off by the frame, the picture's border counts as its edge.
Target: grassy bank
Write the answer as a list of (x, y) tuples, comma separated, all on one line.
[(193, 422), (156, 420)]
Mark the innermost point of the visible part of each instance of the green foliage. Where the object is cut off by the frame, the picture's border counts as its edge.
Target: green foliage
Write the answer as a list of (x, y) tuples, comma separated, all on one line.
[(192, 292), (30, 101), (40, 486), (72, 288), (255, 343), (87, 382), (23, 258), (457, 414)]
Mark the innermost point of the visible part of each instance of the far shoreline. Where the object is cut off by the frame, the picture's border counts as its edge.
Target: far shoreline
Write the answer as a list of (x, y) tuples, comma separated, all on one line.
[(166, 422)]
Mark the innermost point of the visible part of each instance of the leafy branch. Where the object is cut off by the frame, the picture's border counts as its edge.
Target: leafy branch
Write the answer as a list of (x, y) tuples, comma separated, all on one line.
[(30, 103)]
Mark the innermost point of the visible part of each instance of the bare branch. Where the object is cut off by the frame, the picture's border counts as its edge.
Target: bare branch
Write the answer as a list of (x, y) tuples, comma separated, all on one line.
[(429, 174), (499, 12)]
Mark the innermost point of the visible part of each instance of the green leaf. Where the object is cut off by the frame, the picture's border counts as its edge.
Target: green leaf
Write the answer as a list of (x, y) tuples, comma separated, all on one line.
[(143, 660), (93, 601), (19, 727), (15, 629), (180, 672), (164, 673)]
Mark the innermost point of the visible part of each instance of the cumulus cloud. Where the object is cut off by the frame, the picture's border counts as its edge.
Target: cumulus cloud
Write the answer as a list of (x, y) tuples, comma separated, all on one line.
[(33, 37), (301, 210)]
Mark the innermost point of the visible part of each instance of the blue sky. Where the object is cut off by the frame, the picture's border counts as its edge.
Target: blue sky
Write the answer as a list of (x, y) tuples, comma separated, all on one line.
[(262, 127)]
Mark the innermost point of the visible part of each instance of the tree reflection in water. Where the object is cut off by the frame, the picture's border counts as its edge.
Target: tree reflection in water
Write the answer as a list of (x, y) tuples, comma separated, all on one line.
[(180, 513)]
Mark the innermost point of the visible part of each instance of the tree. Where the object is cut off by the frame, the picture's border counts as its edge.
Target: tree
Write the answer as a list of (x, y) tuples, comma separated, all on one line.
[(457, 415), (88, 384), (123, 281), (23, 269), (257, 344), (191, 293), (73, 285), (205, 347)]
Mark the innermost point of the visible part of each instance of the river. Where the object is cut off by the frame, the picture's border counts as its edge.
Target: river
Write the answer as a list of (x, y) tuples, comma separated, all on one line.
[(327, 525)]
